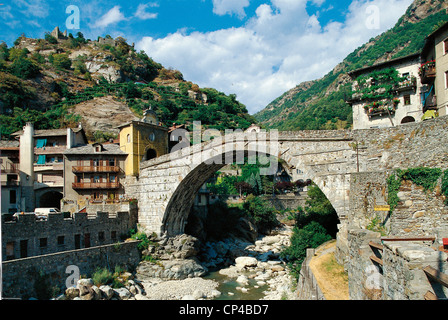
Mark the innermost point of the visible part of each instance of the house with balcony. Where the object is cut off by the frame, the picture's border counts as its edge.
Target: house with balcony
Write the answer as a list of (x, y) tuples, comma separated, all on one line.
[(41, 164), (434, 73), (94, 175), (387, 94), (9, 176)]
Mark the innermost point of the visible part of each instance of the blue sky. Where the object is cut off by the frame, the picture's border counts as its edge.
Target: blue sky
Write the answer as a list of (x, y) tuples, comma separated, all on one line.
[(256, 49)]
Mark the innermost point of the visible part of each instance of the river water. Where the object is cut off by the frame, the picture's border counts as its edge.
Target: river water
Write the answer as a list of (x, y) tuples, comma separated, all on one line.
[(228, 288)]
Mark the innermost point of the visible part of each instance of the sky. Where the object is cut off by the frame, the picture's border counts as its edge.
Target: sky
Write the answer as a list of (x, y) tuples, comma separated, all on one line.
[(256, 49)]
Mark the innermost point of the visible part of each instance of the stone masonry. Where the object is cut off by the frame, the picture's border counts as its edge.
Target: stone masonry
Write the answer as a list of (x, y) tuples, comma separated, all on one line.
[(167, 185)]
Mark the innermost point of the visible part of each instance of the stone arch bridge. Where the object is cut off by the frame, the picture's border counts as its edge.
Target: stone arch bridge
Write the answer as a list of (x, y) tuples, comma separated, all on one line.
[(167, 185)]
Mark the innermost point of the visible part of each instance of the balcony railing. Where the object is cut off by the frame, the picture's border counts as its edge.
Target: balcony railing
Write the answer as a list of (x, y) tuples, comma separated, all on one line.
[(50, 150), (427, 72), (430, 103), (102, 169), (10, 168), (408, 84), (96, 185)]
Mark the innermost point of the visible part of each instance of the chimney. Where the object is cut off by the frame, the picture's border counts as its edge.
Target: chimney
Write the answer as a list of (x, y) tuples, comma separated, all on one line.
[(27, 167)]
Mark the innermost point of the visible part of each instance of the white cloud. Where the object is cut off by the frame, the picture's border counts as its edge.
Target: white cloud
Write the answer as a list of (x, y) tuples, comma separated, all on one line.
[(141, 12), (33, 8), (278, 48), (223, 7), (114, 15)]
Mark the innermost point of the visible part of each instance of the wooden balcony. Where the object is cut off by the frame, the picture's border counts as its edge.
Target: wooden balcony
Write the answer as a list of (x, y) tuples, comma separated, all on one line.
[(10, 168), (410, 84), (428, 73), (50, 150), (93, 169), (96, 185)]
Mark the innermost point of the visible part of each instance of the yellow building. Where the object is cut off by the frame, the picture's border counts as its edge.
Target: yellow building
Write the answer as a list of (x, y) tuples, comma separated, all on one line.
[(142, 140)]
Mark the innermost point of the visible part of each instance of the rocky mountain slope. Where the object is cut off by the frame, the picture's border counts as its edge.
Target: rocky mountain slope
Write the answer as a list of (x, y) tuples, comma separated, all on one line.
[(320, 104), (62, 80)]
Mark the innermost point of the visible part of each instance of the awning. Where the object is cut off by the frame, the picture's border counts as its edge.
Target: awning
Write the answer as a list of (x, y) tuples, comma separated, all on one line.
[(41, 143), (429, 114), (41, 159)]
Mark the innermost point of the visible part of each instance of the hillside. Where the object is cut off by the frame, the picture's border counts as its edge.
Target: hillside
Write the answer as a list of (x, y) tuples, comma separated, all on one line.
[(62, 80), (320, 104)]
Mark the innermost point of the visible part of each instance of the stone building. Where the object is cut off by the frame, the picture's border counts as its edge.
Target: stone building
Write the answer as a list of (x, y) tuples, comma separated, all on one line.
[(93, 174), (143, 140), (28, 237), (434, 72), (41, 164), (373, 110), (9, 176)]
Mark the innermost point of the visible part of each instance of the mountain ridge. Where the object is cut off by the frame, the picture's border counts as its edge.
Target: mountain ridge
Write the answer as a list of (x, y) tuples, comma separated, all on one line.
[(320, 103), (53, 82)]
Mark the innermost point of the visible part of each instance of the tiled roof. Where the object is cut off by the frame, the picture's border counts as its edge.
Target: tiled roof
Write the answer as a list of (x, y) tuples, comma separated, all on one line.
[(49, 133), (107, 149), (9, 144)]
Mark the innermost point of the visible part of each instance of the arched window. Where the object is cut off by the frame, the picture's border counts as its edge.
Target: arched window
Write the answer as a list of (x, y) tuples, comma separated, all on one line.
[(407, 119), (129, 138), (150, 154)]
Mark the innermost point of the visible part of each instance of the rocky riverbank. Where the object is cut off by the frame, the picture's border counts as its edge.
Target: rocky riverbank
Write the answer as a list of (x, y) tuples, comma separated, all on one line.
[(239, 260), (182, 262)]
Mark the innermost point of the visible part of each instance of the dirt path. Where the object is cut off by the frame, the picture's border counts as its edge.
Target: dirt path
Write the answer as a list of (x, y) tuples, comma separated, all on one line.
[(330, 276)]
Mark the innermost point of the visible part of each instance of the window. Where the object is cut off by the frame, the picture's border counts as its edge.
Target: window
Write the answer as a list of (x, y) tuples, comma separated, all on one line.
[(446, 80), (101, 237), (10, 250), (77, 241), (407, 100), (113, 235), (96, 179), (445, 43), (43, 242), (112, 179), (61, 240), (111, 162), (23, 248), (128, 138), (12, 196)]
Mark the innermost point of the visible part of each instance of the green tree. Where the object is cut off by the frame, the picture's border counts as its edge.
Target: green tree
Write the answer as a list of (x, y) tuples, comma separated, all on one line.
[(262, 213), (310, 236), (62, 61), (24, 68)]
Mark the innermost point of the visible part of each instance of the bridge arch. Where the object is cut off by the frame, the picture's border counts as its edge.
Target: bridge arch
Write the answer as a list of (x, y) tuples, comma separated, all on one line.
[(168, 184)]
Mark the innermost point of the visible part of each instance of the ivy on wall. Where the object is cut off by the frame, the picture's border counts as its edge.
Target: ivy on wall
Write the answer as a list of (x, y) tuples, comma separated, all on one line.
[(424, 177)]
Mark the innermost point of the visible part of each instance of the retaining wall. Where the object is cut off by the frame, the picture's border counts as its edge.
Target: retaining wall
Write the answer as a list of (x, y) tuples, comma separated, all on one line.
[(28, 277)]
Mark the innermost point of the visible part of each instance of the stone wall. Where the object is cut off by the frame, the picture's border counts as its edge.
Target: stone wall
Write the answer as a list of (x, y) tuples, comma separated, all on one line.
[(284, 202), (307, 286), (419, 212), (28, 237), (401, 276), (24, 278)]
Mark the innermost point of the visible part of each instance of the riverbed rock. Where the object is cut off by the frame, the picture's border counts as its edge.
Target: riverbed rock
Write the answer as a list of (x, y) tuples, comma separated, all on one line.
[(72, 292), (245, 262), (242, 279), (171, 270), (107, 292)]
